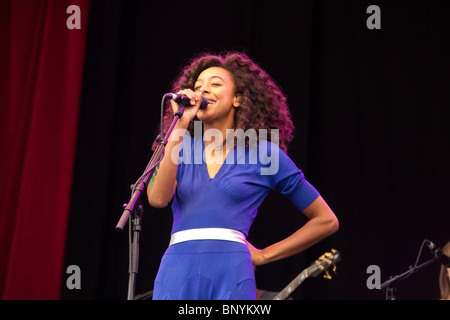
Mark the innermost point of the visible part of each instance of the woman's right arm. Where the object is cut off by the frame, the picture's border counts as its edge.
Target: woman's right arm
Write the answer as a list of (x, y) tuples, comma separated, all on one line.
[(161, 192)]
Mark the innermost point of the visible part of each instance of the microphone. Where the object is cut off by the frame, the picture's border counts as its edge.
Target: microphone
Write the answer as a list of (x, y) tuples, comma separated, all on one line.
[(185, 101), (440, 256), (443, 258)]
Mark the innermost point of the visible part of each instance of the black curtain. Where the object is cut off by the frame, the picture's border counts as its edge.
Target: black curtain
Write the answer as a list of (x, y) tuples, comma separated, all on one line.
[(372, 133)]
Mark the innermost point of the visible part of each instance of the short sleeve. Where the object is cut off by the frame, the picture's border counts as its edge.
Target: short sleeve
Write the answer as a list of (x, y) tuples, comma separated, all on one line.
[(289, 180)]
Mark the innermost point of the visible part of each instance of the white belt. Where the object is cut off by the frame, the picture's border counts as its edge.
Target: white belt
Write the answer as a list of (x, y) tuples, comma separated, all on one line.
[(207, 234)]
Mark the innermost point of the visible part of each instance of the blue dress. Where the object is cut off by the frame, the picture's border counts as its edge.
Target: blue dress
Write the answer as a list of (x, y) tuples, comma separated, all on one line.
[(216, 269)]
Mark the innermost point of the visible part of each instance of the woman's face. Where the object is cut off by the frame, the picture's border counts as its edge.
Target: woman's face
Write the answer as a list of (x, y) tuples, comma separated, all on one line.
[(217, 86)]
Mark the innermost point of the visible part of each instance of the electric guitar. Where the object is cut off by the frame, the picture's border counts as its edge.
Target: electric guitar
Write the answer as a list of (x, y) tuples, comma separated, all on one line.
[(321, 265)]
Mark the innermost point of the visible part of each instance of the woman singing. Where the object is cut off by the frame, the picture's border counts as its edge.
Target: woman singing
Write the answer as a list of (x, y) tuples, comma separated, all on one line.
[(217, 186)]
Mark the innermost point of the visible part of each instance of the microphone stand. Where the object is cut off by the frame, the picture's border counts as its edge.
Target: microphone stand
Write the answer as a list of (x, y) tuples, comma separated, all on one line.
[(134, 247), (131, 209), (387, 285)]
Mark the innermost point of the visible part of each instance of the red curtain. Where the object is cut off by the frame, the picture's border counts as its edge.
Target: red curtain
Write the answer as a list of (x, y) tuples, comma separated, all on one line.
[(41, 64)]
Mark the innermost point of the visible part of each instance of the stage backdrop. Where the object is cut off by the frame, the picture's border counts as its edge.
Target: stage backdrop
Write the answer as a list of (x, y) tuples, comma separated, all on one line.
[(41, 63), (369, 106)]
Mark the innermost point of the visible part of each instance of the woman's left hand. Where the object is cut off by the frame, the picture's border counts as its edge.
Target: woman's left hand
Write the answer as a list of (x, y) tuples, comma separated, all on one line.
[(257, 255), (322, 223)]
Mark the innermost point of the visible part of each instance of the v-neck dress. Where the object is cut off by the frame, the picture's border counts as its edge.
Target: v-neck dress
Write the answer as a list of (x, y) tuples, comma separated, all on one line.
[(216, 269)]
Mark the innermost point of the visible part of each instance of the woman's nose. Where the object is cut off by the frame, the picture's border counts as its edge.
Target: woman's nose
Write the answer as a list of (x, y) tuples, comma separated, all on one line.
[(204, 89)]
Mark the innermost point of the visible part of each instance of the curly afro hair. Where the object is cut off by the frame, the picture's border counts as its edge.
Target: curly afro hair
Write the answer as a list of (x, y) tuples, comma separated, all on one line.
[(262, 103)]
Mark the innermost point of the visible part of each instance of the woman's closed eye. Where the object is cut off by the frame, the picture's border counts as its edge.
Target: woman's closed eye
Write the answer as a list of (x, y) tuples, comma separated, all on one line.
[(216, 84)]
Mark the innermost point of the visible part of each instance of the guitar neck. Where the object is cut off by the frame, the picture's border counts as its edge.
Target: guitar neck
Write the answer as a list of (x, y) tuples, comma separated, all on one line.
[(321, 265), (294, 284)]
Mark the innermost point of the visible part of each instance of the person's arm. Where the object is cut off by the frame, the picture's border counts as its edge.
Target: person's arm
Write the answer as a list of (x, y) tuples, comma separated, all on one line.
[(161, 192), (322, 223)]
